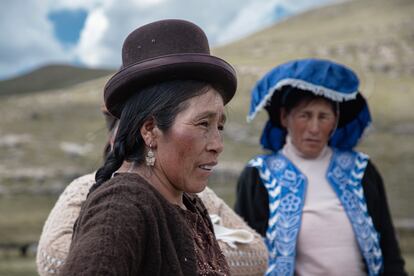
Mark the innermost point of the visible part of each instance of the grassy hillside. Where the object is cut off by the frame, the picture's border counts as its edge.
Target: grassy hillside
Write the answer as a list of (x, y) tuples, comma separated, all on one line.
[(48, 138), (48, 78)]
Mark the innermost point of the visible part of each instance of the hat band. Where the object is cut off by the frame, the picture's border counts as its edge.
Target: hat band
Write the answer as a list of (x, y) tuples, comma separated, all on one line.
[(165, 61)]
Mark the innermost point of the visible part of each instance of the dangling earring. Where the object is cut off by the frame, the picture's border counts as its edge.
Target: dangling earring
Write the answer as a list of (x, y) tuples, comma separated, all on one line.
[(150, 157)]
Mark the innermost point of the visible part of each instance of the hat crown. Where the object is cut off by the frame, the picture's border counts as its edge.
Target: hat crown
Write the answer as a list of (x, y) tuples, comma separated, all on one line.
[(167, 50), (162, 38)]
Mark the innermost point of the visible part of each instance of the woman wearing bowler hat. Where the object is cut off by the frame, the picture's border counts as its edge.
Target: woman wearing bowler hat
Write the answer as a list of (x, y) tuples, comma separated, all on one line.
[(320, 205), (169, 95)]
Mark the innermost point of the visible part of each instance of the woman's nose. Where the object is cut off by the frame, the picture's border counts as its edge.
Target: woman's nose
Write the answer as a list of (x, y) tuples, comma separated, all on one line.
[(215, 142), (314, 125)]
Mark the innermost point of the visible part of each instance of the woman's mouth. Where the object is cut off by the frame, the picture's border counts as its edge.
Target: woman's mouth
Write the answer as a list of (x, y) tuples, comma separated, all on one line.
[(208, 167), (313, 141)]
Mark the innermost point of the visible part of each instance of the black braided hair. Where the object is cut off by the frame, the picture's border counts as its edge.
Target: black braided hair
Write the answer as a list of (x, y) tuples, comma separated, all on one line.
[(161, 102), (111, 125)]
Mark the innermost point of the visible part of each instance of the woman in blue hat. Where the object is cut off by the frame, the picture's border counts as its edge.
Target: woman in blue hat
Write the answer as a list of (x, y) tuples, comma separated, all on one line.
[(320, 205)]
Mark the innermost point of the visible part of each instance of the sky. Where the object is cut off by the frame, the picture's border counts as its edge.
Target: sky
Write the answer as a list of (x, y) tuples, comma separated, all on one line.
[(90, 33)]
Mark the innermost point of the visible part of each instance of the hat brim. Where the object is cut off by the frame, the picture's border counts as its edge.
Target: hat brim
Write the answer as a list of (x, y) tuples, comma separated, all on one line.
[(193, 66)]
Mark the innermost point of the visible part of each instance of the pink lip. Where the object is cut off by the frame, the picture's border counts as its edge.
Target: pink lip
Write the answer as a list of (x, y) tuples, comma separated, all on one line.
[(312, 141), (210, 164)]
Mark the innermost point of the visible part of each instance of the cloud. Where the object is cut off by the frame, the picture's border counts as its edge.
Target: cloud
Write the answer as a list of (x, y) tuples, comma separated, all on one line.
[(27, 37), (91, 49), (252, 17), (113, 22), (256, 15), (73, 4)]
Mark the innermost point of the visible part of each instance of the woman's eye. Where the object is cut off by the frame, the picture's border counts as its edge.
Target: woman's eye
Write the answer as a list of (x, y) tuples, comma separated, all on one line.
[(204, 124), (221, 128), (326, 117)]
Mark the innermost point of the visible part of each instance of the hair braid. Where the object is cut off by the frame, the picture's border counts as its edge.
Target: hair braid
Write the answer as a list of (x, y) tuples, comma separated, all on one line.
[(112, 163)]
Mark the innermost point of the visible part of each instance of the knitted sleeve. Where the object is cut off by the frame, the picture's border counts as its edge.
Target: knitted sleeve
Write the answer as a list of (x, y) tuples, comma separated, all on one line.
[(107, 240), (244, 259), (56, 235)]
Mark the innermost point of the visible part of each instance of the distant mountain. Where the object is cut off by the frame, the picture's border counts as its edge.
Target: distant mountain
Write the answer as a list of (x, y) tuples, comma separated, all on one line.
[(50, 77)]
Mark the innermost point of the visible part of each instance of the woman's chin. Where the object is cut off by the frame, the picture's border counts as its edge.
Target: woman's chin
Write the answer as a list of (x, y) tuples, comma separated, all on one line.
[(197, 188)]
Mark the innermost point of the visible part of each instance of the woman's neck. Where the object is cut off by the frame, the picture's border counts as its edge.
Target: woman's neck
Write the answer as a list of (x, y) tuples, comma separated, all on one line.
[(292, 150), (162, 185)]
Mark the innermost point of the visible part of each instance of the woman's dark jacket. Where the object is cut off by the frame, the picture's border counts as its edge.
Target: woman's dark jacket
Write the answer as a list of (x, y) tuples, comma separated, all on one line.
[(126, 227), (252, 204)]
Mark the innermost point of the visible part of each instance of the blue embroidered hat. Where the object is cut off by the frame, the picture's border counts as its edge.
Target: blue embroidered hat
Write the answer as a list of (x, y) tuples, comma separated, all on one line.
[(320, 77)]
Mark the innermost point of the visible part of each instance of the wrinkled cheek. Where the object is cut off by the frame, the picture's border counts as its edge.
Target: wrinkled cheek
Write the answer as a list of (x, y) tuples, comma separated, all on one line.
[(186, 151), (187, 144)]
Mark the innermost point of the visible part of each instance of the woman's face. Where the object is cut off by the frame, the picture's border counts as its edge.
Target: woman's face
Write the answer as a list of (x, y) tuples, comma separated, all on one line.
[(188, 151), (310, 125)]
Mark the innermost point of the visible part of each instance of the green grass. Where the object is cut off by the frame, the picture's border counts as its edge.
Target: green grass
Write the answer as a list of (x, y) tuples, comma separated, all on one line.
[(409, 263), (49, 119), (13, 265), (22, 217)]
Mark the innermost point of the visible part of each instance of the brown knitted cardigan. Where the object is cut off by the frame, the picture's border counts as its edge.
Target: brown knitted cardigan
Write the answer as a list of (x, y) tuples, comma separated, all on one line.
[(126, 227)]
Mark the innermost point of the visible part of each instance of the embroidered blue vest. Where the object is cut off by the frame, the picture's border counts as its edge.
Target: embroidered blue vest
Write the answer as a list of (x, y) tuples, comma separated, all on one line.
[(286, 187)]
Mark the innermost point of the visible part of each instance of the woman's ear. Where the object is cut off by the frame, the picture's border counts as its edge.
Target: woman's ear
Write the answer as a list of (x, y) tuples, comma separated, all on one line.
[(283, 117), (148, 132)]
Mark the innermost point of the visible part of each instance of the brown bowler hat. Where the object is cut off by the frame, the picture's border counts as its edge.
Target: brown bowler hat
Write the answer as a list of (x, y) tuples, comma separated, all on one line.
[(166, 50)]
